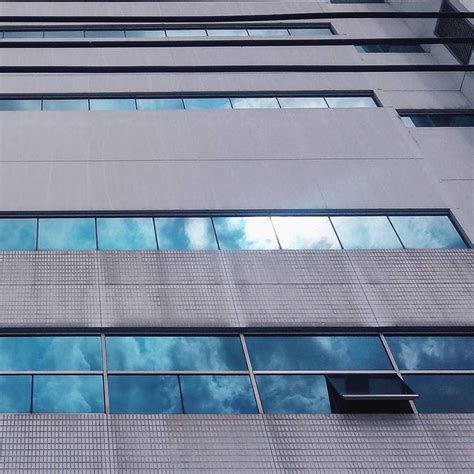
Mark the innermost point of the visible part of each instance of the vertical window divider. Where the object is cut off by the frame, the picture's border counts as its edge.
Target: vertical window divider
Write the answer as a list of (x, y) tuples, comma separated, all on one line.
[(215, 232), (327, 103), (96, 234), (181, 394), (156, 233), (334, 229), (278, 102), (105, 380), (253, 380), (396, 233), (32, 390), (37, 235), (276, 235)]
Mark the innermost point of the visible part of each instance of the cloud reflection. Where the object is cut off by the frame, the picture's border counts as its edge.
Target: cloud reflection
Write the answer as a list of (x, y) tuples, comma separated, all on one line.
[(128, 233)]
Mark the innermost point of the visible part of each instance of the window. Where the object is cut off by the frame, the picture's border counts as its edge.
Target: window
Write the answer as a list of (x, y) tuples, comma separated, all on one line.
[(22, 34), (67, 234), (112, 104), (390, 48), (208, 103), (438, 119), (64, 34), (18, 234), (350, 102), (126, 233), (302, 103), (179, 33), (104, 34), (310, 31), (255, 103), (268, 32), (65, 104), (159, 104), (145, 33), (20, 104), (227, 32)]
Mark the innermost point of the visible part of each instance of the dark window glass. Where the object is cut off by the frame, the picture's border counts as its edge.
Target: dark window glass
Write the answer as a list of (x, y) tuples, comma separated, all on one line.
[(439, 120), (365, 232), (65, 104), (433, 352), (254, 103), (159, 104), (268, 32), (67, 234), (317, 353), (427, 232), (105, 34), (23, 353), (175, 353), (293, 393), (350, 102), (191, 32), (145, 33), (17, 234), (310, 31), (127, 233), (15, 393), (64, 34), (20, 104), (207, 103), (144, 394), (390, 48), (22, 34), (241, 233), (112, 104), (220, 394), (68, 394), (357, 1), (443, 393), (302, 103), (227, 32), (185, 233)]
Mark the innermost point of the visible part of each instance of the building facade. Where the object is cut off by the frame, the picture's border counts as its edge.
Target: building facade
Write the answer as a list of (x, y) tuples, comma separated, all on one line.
[(236, 236)]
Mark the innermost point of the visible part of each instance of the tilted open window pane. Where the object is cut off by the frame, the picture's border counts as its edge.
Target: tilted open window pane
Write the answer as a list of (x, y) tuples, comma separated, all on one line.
[(175, 353), (126, 233), (67, 234), (15, 394), (18, 234)]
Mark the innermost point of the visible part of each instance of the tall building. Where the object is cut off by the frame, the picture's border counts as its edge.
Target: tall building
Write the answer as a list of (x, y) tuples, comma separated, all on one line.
[(236, 236)]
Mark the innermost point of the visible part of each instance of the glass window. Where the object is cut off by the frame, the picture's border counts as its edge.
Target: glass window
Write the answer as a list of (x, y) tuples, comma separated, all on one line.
[(365, 232), (67, 234), (240, 233), (418, 232), (293, 394), (126, 233), (18, 234), (112, 104), (348, 102), (20, 104), (185, 233), (105, 34), (302, 103), (268, 32), (254, 103), (310, 31), (389, 48), (443, 393), (178, 33), (159, 104), (317, 353), (408, 122), (433, 352), (144, 394), (440, 120), (22, 34), (68, 394), (145, 33), (175, 353), (62, 353), (15, 393), (305, 233), (207, 103), (64, 34), (227, 32), (220, 394), (65, 104)]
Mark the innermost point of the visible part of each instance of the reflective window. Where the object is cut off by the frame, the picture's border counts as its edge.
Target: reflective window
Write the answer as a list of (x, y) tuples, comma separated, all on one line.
[(65, 104), (302, 103), (254, 103), (26, 353), (365, 232), (67, 234), (20, 104), (126, 233), (145, 33), (159, 104), (22, 34), (220, 394), (15, 393), (408, 122), (439, 120), (112, 104), (68, 394), (427, 232), (310, 31), (239, 233), (104, 34), (293, 394), (17, 234), (433, 352), (227, 32), (348, 102), (177, 33), (268, 32), (390, 48), (175, 353), (207, 103), (443, 393), (317, 353), (144, 394), (64, 34), (305, 232), (185, 233)]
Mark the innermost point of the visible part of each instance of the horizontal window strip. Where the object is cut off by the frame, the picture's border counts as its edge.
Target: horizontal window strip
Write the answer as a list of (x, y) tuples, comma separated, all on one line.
[(243, 232), (438, 119)]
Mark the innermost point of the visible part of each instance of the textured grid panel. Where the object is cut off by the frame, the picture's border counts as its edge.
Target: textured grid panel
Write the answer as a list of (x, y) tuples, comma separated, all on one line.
[(422, 304), (45, 268), (50, 306), (167, 305), (413, 266), (194, 443), (302, 443), (289, 266), (164, 267), (54, 443), (302, 305)]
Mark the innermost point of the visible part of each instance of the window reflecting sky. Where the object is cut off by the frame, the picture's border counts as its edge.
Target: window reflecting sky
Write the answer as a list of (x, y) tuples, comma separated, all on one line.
[(145, 33), (254, 103), (302, 103), (227, 32), (126, 233), (359, 384), (68, 394), (67, 234), (427, 232), (64, 34), (268, 32), (159, 104), (112, 104), (143, 394), (185, 233), (293, 393), (220, 394), (65, 104), (207, 103), (20, 104), (15, 393), (17, 234), (365, 232), (433, 352), (310, 31), (349, 102), (242, 233), (104, 33), (191, 32), (317, 353), (22, 34), (175, 353), (305, 232)]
